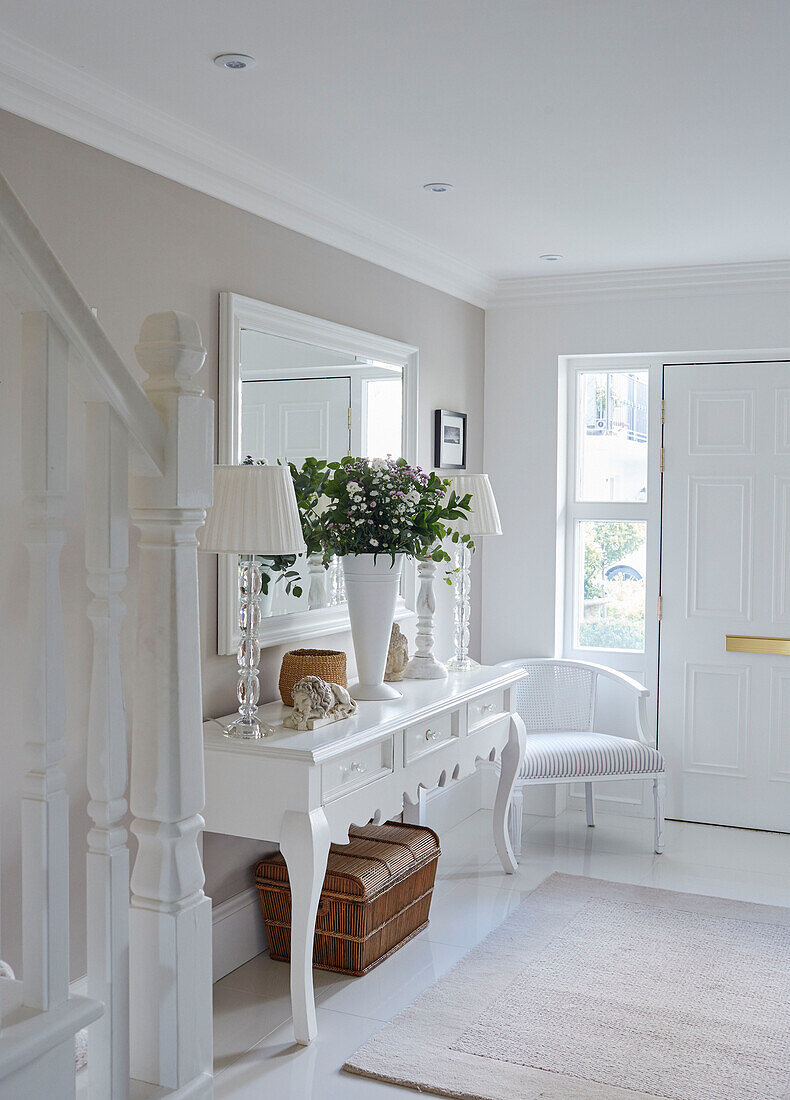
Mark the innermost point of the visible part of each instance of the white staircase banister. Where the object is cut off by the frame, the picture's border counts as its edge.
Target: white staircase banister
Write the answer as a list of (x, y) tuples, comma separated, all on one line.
[(62, 301)]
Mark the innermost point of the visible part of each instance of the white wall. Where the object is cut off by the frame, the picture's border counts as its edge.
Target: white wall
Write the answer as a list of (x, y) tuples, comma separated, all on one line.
[(523, 343), (135, 243)]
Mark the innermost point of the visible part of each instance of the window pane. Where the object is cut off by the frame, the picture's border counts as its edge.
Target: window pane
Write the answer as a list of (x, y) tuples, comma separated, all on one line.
[(384, 415), (612, 416), (611, 603)]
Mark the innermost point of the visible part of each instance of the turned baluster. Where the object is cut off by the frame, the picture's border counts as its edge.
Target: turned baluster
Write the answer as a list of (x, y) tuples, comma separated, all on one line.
[(107, 558), (45, 804)]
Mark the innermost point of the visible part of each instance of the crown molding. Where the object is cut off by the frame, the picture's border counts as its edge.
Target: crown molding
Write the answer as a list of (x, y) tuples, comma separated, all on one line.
[(659, 282), (39, 87)]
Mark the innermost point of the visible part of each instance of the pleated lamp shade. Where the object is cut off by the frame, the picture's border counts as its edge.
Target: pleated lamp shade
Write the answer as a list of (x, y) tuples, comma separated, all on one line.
[(254, 512), (483, 515)]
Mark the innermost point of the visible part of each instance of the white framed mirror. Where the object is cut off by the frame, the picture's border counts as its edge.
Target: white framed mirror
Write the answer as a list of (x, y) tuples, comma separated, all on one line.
[(291, 387)]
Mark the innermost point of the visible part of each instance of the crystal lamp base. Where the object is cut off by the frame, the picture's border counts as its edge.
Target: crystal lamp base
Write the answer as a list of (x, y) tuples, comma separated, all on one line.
[(462, 664), (248, 730)]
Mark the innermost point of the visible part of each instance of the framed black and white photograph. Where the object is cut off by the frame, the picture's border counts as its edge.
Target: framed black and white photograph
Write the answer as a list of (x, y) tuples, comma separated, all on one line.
[(449, 449)]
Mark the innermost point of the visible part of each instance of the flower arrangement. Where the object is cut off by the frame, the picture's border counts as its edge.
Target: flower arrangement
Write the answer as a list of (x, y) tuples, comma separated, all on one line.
[(370, 506), (386, 506)]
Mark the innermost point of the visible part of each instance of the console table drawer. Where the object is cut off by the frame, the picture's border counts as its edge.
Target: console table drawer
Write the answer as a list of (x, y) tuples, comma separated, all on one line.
[(424, 736), (356, 769), (487, 707)]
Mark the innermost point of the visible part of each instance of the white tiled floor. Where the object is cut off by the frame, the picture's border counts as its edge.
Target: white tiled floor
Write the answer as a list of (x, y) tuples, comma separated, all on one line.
[(255, 1056)]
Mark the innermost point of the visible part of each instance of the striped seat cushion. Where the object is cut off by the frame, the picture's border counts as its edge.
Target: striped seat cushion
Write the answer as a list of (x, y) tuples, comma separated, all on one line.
[(579, 755)]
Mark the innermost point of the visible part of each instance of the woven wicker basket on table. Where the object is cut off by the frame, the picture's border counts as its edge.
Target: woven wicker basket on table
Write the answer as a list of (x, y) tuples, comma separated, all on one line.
[(376, 896), (329, 664)]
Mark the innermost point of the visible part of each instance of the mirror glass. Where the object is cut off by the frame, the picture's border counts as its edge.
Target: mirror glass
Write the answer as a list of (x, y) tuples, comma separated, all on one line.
[(300, 400)]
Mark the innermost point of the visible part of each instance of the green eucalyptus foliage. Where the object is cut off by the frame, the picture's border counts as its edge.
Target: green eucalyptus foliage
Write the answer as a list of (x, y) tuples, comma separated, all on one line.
[(309, 482)]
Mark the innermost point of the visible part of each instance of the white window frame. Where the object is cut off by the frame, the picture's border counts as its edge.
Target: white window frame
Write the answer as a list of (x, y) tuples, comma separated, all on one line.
[(643, 665)]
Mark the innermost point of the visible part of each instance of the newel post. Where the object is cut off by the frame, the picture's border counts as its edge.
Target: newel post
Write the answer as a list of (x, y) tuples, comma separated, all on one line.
[(170, 919)]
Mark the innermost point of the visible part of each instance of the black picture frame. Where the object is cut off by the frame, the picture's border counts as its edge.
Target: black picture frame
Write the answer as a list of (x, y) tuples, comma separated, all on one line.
[(449, 440)]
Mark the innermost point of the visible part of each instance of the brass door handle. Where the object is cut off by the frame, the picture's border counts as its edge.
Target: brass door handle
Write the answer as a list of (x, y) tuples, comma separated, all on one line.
[(745, 643)]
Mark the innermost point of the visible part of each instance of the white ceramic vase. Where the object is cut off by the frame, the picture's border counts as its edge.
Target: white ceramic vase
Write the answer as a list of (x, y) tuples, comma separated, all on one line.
[(372, 585)]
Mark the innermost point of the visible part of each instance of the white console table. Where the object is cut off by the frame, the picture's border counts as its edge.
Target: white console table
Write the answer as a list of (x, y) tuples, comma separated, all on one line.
[(304, 790)]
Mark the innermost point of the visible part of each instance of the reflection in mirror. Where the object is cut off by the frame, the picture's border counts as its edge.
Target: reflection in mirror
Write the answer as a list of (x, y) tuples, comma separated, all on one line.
[(298, 401)]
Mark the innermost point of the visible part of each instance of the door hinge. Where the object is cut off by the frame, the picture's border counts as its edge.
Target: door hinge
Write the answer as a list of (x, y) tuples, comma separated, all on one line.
[(663, 411), (349, 418), (662, 460), (660, 608)]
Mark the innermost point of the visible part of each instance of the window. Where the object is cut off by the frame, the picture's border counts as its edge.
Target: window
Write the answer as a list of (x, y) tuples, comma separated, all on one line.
[(611, 506), (612, 415), (384, 417), (610, 611)]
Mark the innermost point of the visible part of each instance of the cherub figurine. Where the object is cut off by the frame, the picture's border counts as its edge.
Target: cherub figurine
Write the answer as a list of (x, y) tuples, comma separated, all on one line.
[(397, 656), (316, 703)]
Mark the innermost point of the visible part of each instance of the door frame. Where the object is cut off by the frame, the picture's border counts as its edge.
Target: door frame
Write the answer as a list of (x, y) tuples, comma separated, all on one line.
[(656, 364), (752, 357)]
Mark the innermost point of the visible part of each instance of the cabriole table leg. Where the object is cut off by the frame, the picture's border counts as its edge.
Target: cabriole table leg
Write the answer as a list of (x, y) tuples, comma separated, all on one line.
[(304, 843), (512, 756)]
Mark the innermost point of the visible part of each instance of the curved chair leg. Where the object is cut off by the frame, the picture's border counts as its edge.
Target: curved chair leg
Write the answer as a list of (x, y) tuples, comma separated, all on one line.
[(658, 803), (516, 819), (588, 802)]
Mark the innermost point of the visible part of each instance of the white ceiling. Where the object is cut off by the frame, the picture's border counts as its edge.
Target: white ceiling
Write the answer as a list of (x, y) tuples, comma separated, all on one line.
[(620, 133)]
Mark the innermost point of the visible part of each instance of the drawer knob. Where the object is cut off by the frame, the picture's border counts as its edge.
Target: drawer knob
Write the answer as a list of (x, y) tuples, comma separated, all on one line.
[(354, 768), (487, 708), (431, 735)]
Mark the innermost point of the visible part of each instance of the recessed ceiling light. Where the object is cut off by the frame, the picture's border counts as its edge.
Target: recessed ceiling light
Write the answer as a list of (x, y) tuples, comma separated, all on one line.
[(550, 257), (437, 188), (234, 61)]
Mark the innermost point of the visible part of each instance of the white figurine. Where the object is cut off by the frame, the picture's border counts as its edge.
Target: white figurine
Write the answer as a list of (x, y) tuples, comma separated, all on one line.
[(316, 703), (397, 655)]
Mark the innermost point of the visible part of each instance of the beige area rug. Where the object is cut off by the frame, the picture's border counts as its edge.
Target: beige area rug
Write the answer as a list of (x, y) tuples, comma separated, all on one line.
[(597, 990)]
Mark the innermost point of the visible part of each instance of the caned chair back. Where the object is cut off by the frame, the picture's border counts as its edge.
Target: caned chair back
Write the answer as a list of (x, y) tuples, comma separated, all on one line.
[(556, 696)]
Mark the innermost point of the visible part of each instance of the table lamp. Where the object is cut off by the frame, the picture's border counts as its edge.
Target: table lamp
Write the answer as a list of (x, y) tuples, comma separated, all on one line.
[(483, 519), (254, 513)]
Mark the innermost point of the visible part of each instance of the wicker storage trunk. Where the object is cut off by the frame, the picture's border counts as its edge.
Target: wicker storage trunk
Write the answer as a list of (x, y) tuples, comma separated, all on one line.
[(376, 896)]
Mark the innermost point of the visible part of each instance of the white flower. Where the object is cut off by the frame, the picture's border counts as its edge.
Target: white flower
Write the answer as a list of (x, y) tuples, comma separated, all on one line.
[(322, 504), (378, 464), (374, 542)]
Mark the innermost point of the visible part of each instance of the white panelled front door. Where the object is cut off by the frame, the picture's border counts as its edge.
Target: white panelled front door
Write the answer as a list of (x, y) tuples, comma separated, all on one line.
[(724, 716), (296, 418)]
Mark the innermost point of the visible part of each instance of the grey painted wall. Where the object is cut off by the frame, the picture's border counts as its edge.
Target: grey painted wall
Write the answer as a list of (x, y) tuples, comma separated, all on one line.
[(135, 243)]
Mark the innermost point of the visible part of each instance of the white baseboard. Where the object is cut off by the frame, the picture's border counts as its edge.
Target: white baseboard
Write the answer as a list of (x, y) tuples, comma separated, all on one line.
[(625, 798), (446, 807), (543, 800), (238, 932)]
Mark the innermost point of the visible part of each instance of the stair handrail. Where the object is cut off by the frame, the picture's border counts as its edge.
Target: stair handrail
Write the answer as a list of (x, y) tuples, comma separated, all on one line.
[(63, 302)]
